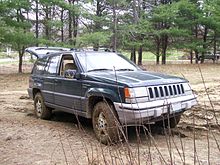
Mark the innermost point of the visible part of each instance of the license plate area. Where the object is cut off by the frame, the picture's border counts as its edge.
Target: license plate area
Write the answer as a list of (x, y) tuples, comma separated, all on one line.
[(175, 107)]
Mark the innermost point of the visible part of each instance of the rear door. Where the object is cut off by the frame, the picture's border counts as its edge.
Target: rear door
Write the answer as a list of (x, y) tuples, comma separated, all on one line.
[(37, 75), (51, 72), (68, 91)]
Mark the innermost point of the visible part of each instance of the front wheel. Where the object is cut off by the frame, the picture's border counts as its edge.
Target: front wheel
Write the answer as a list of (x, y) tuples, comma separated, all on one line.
[(41, 110), (105, 123)]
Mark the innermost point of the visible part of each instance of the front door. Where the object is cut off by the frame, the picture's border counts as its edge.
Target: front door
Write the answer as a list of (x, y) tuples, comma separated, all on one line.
[(67, 92)]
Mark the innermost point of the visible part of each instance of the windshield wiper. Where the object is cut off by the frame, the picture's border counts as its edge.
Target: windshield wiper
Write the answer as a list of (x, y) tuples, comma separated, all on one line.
[(125, 69), (101, 69)]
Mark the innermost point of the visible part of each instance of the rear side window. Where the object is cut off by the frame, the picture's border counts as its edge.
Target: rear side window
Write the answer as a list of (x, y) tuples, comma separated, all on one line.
[(39, 66), (52, 65)]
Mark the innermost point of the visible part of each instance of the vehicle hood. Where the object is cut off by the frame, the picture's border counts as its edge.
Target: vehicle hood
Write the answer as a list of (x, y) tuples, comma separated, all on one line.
[(134, 78)]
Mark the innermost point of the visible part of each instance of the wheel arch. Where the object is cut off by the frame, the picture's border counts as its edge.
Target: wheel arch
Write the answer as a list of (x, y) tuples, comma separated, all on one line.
[(93, 100), (35, 91), (96, 95)]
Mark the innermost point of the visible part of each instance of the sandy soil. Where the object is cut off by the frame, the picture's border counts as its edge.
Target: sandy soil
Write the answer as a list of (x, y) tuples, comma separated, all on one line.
[(26, 140)]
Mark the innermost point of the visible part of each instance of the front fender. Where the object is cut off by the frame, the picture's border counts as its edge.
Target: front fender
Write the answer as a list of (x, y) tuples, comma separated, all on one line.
[(111, 94)]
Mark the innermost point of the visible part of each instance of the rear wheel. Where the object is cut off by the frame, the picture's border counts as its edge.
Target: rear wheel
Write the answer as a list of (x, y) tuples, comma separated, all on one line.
[(171, 122), (105, 123), (41, 110)]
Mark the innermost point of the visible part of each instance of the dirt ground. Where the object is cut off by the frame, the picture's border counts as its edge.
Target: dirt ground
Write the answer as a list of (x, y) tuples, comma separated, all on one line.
[(26, 140)]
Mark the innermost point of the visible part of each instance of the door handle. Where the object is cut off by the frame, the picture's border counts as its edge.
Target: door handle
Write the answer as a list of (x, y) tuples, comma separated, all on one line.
[(86, 85), (57, 81)]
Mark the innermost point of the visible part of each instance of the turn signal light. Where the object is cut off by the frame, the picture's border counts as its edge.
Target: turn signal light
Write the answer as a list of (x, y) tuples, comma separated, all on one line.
[(127, 92)]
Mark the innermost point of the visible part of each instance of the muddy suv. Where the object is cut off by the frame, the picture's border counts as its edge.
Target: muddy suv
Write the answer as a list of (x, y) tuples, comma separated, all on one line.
[(109, 89)]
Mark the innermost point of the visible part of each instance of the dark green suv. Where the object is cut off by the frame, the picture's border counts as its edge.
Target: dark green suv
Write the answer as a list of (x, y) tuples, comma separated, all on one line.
[(108, 88)]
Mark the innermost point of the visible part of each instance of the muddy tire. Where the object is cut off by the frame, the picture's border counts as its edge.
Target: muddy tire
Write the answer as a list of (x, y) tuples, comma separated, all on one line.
[(41, 111), (105, 123), (173, 121)]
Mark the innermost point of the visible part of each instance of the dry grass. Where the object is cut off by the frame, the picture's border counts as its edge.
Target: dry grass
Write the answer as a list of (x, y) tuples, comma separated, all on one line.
[(189, 71)]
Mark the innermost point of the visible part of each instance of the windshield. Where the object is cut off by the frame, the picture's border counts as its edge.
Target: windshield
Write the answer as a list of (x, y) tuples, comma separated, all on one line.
[(99, 61)]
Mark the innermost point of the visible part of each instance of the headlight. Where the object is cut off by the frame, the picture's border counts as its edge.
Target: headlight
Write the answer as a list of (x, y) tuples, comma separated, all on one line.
[(187, 88), (136, 95)]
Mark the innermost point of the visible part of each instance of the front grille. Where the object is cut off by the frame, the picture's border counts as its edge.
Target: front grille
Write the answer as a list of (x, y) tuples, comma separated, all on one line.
[(166, 91)]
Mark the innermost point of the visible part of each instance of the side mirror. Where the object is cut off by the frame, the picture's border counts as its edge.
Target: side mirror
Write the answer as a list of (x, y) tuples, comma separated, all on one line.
[(77, 75), (70, 74)]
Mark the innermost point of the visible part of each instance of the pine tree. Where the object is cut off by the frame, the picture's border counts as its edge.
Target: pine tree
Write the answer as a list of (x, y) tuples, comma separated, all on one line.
[(15, 29)]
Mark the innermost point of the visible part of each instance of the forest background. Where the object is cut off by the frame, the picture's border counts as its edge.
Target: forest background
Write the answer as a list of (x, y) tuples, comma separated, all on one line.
[(136, 27)]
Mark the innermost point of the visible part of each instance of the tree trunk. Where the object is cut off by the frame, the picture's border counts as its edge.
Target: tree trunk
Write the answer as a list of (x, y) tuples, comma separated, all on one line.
[(157, 59), (204, 44), (133, 55), (97, 23), (140, 52), (114, 27), (20, 63), (163, 57), (70, 30), (135, 12), (75, 24), (191, 56), (62, 21), (99, 11), (196, 51), (135, 21), (21, 53), (37, 22), (214, 47), (47, 28), (164, 48), (157, 51), (197, 56)]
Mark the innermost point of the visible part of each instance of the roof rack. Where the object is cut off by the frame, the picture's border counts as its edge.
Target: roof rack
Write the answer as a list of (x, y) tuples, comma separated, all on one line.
[(40, 52)]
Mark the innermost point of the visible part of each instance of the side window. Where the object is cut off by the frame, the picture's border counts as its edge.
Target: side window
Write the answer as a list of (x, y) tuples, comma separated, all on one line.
[(67, 62), (39, 66), (52, 65)]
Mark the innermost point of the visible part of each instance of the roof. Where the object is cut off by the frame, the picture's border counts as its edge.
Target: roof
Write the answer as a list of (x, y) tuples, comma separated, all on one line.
[(40, 52)]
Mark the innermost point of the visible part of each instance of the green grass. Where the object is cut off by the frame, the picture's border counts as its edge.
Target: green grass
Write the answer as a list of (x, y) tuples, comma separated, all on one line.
[(8, 62), (2, 55), (12, 55), (148, 56)]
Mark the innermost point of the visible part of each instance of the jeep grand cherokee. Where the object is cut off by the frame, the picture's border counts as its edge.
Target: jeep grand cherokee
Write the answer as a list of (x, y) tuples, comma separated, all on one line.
[(109, 89)]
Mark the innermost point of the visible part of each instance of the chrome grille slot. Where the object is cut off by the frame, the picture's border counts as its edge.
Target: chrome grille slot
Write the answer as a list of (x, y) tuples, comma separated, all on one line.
[(182, 88), (156, 92), (165, 91), (170, 90), (151, 93), (178, 87), (174, 89), (161, 92)]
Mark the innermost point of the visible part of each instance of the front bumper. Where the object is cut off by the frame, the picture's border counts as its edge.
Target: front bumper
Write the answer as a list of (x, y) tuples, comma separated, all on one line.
[(143, 113)]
